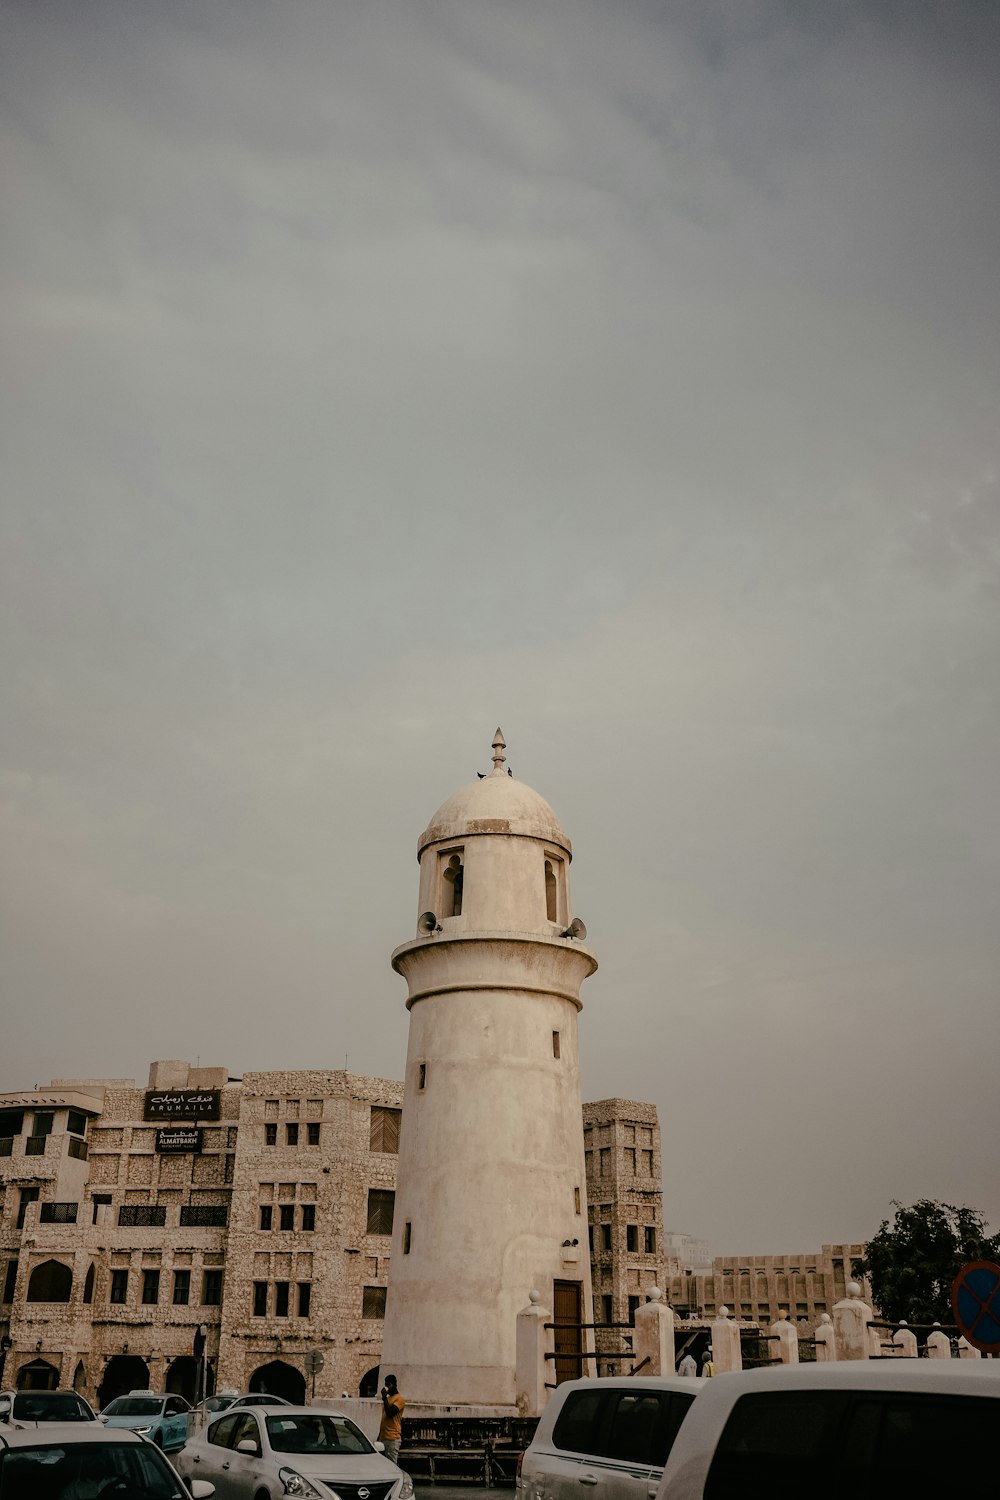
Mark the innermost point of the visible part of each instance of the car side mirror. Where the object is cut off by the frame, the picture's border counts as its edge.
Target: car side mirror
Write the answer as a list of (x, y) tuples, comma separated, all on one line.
[(201, 1489), (379, 1447), (102, 1418), (247, 1445)]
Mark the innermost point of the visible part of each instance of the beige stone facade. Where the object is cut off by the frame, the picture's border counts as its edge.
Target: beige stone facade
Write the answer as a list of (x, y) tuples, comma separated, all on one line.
[(113, 1252), (764, 1288), (621, 1140)]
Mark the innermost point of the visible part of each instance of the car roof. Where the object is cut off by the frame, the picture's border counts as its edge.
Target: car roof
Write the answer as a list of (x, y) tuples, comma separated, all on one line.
[(285, 1410), (58, 1434), (982, 1376)]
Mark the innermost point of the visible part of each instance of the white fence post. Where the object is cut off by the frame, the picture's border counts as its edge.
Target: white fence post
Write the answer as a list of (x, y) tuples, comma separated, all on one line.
[(654, 1336), (726, 1352), (905, 1341), (938, 1344), (966, 1350), (788, 1341), (532, 1343), (826, 1342), (855, 1340)]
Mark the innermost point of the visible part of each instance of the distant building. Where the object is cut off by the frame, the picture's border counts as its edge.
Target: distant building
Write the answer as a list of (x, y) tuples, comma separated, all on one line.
[(763, 1288)]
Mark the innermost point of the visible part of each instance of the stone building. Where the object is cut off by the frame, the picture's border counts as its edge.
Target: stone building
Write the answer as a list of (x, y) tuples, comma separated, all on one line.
[(621, 1139), (762, 1288), (260, 1210)]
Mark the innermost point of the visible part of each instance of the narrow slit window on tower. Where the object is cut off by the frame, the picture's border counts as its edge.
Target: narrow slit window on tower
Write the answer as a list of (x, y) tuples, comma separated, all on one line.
[(406, 1238), (555, 1044), (421, 1075), (452, 881), (551, 893), (576, 1199)]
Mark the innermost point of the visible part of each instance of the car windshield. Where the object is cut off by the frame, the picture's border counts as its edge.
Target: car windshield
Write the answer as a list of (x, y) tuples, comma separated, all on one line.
[(315, 1434), (218, 1403), (73, 1471), (134, 1406), (50, 1406)]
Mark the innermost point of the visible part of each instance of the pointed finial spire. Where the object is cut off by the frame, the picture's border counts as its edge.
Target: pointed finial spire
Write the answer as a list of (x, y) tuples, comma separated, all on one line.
[(499, 746)]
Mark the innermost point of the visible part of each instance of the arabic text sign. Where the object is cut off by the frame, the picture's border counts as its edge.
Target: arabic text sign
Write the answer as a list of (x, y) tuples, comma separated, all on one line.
[(181, 1104), (179, 1140)]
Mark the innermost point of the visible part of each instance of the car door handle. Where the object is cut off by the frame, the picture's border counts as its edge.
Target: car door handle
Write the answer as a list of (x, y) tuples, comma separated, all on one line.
[(225, 1466), (588, 1478)]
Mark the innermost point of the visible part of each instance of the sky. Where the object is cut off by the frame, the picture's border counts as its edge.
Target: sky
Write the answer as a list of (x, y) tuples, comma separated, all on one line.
[(626, 374)]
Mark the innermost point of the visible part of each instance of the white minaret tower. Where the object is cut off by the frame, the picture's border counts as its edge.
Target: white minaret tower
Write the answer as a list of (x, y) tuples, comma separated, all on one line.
[(491, 1191)]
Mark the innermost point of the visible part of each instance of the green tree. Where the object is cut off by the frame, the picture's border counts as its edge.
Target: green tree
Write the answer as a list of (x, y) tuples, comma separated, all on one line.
[(912, 1263)]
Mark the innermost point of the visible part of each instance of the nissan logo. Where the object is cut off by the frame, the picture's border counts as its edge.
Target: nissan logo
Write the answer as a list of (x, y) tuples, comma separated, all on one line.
[(363, 1494)]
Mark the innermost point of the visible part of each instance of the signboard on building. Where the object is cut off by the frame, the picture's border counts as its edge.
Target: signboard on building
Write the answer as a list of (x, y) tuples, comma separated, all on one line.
[(179, 1140), (181, 1104)]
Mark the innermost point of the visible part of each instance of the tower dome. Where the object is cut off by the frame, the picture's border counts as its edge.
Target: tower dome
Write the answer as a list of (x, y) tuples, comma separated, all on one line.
[(496, 803)]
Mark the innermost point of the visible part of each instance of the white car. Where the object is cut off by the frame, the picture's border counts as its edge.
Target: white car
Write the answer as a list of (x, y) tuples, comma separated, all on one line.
[(29, 1408), (847, 1430), (268, 1452), (609, 1436), (83, 1461)]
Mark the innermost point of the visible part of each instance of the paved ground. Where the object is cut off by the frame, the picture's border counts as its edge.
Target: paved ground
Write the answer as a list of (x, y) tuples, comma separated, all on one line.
[(424, 1491)]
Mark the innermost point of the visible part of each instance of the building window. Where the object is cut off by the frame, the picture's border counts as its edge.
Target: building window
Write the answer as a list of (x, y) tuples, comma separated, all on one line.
[(211, 1289), (119, 1287), (373, 1302), (77, 1147), (50, 1282), (312, 1133), (76, 1122), (286, 1216), (406, 1237), (9, 1281), (88, 1284), (452, 883), (421, 1076), (605, 1161), (551, 893), (100, 1200), (647, 1163), (631, 1238), (204, 1215), (151, 1286), (265, 1215), (57, 1213), (281, 1299), (576, 1199), (44, 1121), (308, 1217), (590, 1238), (649, 1240), (633, 1308), (607, 1303), (142, 1215), (260, 1299), (555, 1044), (381, 1204), (384, 1134), (305, 1298), (291, 1134), (630, 1160), (270, 1134), (182, 1288), (28, 1195), (605, 1236)]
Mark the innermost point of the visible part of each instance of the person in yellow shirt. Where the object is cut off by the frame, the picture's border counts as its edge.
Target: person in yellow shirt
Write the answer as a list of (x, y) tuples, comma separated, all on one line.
[(390, 1428)]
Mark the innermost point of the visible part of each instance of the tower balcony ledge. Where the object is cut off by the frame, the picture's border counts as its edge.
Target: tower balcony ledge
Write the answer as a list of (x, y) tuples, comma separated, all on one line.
[(527, 962)]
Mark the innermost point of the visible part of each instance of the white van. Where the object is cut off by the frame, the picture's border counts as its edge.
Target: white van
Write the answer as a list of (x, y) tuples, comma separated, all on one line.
[(608, 1437), (925, 1429)]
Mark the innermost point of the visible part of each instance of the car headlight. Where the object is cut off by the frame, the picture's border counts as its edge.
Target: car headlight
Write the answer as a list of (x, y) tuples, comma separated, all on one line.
[(297, 1484), (405, 1489), (144, 1430)]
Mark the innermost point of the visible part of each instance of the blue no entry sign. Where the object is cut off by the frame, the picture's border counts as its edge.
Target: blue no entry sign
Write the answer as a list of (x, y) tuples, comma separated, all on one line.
[(975, 1301)]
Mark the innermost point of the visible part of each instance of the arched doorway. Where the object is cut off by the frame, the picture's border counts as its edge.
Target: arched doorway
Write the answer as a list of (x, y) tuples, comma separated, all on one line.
[(38, 1375), (280, 1379), (124, 1373), (369, 1382), (80, 1378), (183, 1378), (52, 1281)]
